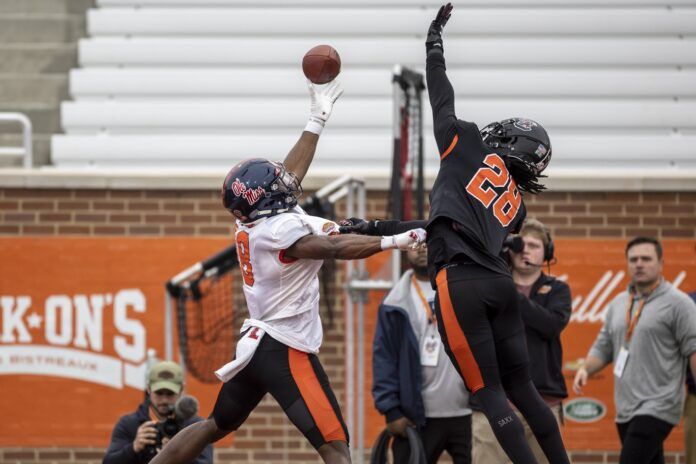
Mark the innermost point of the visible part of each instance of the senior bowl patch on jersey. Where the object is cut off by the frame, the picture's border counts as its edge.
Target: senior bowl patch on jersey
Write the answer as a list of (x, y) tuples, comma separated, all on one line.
[(329, 228)]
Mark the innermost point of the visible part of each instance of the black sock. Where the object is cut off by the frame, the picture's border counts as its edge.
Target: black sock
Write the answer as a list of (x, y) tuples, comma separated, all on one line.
[(505, 424), (540, 419)]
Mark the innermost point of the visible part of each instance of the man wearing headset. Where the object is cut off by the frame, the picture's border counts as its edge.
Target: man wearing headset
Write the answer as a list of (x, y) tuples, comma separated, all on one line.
[(545, 304)]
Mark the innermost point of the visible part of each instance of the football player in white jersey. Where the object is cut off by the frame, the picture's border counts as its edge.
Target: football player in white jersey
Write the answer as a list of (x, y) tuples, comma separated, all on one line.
[(280, 250)]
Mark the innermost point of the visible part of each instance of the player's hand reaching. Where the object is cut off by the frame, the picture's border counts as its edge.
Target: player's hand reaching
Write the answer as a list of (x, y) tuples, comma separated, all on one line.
[(409, 240), (434, 38), (357, 226), (323, 97)]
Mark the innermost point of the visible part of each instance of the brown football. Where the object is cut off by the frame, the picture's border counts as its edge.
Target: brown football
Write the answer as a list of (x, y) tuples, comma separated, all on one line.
[(321, 64)]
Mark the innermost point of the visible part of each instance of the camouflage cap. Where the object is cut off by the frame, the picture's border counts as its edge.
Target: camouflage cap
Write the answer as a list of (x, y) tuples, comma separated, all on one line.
[(166, 375)]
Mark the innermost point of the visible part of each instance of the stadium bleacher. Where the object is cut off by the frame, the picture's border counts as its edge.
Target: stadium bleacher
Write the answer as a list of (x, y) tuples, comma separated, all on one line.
[(201, 84)]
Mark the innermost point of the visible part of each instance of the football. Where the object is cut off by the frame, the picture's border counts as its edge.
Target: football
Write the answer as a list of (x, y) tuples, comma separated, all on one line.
[(321, 64)]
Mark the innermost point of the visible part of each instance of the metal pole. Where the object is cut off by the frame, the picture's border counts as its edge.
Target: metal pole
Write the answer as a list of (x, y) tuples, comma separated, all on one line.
[(362, 296), (350, 342), (27, 147), (168, 334)]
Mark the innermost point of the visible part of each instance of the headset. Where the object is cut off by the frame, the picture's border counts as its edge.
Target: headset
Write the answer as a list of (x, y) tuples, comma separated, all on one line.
[(516, 245), (549, 248)]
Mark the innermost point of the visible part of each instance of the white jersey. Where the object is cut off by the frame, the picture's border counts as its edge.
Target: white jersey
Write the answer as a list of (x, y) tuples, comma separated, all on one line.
[(282, 293)]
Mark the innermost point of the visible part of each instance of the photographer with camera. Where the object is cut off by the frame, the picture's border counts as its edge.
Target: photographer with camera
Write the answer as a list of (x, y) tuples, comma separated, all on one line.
[(139, 436)]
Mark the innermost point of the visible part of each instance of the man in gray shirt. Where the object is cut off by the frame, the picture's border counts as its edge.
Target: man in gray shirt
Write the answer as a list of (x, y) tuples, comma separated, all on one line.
[(649, 334), (414, 382)]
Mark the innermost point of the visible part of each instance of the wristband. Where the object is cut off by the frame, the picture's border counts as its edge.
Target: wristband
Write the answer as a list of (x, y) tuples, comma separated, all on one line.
[(314, 125), (388, 243)]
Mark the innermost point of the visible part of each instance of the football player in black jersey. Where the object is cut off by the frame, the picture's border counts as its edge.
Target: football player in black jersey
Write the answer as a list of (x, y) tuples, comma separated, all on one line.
[(475, 202)]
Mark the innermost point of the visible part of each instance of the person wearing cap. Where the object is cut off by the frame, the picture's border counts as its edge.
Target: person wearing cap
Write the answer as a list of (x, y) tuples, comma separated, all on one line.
[(134, 438), (649, 334)]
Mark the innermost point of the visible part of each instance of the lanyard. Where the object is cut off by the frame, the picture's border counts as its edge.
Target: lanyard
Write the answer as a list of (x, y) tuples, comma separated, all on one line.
[(428, 311), (631, 322)]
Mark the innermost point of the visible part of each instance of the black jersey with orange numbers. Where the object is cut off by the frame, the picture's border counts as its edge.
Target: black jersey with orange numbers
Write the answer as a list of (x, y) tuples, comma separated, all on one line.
[(474, 202)]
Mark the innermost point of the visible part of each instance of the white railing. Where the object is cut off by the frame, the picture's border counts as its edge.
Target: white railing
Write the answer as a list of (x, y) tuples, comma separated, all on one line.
[(26, 150)]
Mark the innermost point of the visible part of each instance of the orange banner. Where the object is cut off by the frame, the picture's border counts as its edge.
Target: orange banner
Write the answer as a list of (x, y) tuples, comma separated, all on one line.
[(78, 315), (596, 272)]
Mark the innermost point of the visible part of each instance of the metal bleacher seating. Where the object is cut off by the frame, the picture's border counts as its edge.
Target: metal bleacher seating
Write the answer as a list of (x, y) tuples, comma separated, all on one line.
[(202, 84)]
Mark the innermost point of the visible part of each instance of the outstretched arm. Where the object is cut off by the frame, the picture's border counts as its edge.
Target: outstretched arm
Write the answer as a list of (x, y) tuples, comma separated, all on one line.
[(378, 227), (440, 89), (351, 246), (302, 154), (322, 99)]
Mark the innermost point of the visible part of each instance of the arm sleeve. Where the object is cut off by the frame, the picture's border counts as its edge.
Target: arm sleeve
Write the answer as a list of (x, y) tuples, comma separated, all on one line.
[(441, 96), (387, 228), (685, 326), (549, 320), (385, 364), (120, 450), (603, 347)]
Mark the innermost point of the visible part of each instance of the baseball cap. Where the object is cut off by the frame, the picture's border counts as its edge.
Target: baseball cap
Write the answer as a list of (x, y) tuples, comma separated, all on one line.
[(166, 374)]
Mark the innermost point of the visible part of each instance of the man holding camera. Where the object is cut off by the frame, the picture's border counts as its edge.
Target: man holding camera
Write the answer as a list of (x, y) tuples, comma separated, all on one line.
[(139, 436)]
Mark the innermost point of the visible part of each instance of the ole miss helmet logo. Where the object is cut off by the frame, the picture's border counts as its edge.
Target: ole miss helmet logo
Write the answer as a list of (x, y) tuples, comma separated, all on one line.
[(250, 195)]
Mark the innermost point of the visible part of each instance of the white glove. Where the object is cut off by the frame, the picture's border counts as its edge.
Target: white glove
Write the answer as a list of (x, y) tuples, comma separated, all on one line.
[(406, 241), (323, 97)]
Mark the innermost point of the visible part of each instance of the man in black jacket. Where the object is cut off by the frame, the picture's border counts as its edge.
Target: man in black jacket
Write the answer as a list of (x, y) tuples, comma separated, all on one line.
[(134, 439), (545, 304)]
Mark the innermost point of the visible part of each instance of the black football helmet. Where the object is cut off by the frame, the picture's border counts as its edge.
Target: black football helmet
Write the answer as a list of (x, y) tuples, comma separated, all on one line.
[(522, 140), (258, 188)]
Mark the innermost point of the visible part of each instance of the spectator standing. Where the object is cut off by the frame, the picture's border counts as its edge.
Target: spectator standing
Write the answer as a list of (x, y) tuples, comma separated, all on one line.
[(649, 334), (414, 382)]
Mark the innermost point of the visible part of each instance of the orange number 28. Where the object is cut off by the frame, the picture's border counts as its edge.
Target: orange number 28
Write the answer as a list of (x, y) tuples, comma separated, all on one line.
[(495, 175), (245, 257)]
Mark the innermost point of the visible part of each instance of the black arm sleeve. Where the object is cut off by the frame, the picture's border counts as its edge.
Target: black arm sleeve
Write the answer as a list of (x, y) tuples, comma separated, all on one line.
[(387, 228), (441, 96)]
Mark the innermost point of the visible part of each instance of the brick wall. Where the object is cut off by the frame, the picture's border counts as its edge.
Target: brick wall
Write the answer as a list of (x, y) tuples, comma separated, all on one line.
[(267, 436), (198, 213)]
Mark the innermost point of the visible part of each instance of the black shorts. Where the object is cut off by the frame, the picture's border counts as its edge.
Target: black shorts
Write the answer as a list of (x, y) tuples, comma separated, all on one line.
[(480, 325), (296, 380)]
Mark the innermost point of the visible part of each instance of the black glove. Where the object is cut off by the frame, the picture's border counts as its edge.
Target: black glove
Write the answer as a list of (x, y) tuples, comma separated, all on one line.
[(434, 39), (357, 226)]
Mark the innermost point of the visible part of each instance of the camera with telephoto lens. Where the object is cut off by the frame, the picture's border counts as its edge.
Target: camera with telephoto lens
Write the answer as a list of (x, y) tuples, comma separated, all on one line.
[(184, 409), (165, 428)]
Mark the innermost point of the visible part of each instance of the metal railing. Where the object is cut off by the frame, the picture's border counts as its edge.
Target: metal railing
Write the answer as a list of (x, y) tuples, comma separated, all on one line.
[(26, 150), (357, 286)]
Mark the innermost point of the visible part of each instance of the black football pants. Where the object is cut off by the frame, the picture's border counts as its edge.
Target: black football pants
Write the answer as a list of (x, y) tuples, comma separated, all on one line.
[(480, 325)]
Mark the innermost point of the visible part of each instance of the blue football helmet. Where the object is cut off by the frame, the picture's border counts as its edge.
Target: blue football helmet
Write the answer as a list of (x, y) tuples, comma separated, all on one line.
[(258, 188)]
